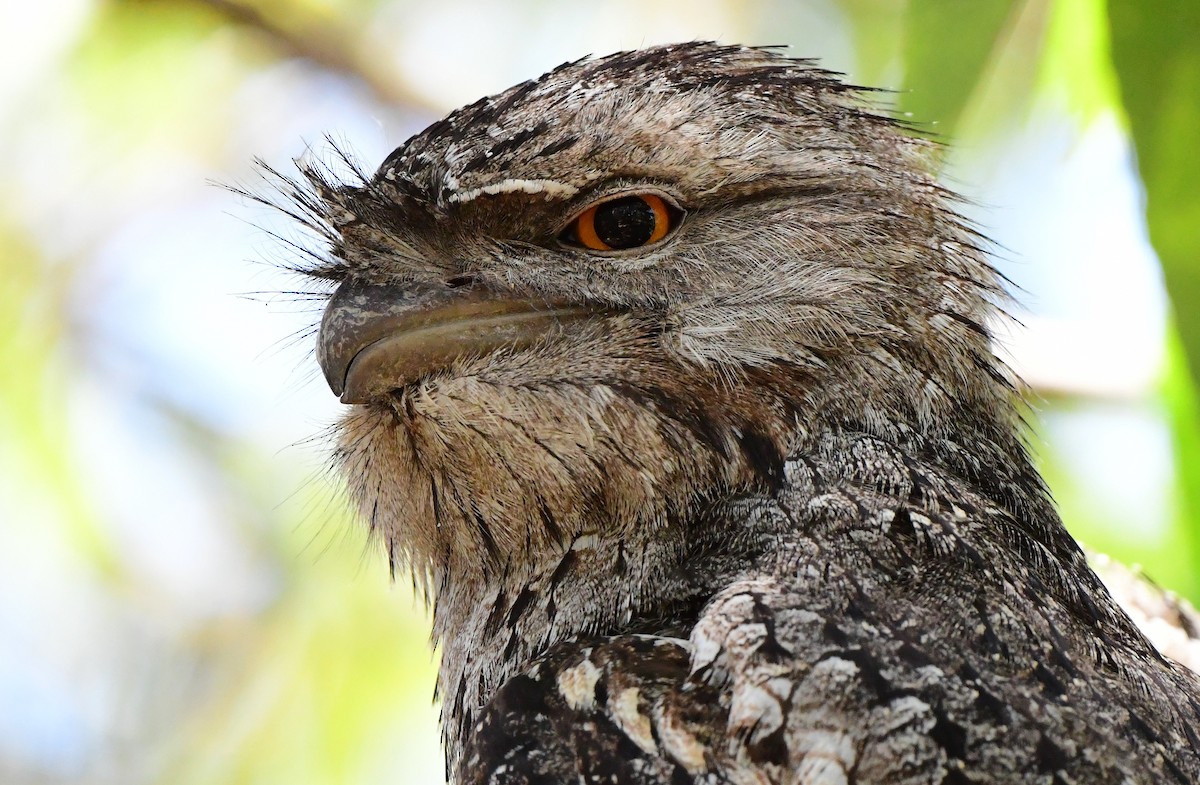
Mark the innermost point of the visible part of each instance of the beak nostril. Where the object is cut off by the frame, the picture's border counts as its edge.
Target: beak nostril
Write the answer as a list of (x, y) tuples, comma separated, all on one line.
[(459, 281)]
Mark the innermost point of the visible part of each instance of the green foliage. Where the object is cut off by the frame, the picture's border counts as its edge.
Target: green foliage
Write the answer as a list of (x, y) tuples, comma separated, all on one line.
[(332, 684), (948, 47), (35, 462), (1176, 566), (1156, 51)]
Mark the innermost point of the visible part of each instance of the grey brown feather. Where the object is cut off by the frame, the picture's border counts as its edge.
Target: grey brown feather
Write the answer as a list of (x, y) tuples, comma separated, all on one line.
[(768, 517)]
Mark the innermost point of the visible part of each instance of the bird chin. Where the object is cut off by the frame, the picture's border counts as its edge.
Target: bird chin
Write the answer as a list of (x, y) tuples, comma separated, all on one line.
[(497, 460)]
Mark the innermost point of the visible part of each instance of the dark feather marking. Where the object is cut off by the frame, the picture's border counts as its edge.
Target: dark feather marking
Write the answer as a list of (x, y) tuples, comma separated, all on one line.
[(547, 517), (523, 600), (562, 569), (951, 736), (518, 139), (558, 146), (496, 617), (764, 457), (1050, 757)]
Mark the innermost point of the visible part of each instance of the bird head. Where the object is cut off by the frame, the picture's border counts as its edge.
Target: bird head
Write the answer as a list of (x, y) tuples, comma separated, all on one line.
[(608, 297)]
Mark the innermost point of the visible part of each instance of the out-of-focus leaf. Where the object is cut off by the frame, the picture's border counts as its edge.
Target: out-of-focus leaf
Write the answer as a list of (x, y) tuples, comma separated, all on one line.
[(877, 26), (33, 436), (948, 45), (1090, 516), (332, 684), (1183, 410), (1154, 47), (153, 71), (1077, 69)]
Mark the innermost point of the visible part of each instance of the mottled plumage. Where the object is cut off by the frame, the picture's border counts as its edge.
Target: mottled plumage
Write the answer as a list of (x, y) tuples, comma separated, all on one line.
[(746, 505)]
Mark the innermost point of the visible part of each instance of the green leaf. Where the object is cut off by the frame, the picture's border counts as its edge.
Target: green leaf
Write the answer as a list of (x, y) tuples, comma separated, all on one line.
[(1158, 69), (1177, 568), (948, 45)]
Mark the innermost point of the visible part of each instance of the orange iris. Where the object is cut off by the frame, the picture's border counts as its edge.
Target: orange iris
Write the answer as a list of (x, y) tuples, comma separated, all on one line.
[(594, 224)]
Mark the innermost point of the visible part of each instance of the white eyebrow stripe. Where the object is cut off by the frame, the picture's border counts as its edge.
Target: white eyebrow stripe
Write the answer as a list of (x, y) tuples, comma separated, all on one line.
[(552, 188)]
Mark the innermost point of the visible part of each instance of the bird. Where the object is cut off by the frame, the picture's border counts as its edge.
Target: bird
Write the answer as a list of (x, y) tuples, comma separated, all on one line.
[(669, 376)]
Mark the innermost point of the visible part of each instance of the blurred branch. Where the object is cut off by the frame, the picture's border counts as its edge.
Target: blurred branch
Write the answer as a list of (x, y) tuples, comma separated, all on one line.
[(327, 42)]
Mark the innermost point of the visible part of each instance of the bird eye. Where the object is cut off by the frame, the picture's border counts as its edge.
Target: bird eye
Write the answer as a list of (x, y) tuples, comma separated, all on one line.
[(622, 223)]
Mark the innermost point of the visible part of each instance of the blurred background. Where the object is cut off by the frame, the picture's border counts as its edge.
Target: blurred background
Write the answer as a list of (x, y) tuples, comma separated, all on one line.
[(184, 597)]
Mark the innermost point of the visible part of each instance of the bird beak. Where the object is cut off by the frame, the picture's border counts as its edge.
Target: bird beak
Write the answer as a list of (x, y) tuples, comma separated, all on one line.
[(375, 338)]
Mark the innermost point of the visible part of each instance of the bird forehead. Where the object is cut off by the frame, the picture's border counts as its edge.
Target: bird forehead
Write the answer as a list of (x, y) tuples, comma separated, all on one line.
[(668, 139), (579, 124)]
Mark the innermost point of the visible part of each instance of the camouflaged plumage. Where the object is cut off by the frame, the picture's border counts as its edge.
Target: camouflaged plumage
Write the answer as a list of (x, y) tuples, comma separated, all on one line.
[(768, 517)]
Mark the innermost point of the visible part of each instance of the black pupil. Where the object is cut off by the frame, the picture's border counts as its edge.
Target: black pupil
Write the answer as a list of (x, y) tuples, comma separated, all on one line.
[(625, 223)]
